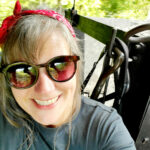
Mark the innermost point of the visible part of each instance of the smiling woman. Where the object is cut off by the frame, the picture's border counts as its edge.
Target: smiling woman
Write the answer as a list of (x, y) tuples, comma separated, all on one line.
[(40, 101)]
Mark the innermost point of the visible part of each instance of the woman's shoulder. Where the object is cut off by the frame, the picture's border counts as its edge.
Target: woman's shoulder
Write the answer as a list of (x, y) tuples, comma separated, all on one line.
[(102, 126), (94, 106), (99, 115), (94, 114)]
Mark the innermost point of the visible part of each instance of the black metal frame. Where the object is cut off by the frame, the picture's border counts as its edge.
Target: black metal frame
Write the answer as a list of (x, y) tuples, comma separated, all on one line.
[(143, 138)]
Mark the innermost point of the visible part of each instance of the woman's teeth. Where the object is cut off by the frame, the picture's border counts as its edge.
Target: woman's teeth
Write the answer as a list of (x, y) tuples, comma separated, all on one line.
[(48, 102)]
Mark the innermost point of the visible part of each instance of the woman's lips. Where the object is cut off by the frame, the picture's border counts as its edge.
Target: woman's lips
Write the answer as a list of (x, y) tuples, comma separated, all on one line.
[(46, 104)]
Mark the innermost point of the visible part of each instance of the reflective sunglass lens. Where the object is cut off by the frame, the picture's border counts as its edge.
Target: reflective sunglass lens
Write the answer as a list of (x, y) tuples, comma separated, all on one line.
[(62, 71), (21, 76)]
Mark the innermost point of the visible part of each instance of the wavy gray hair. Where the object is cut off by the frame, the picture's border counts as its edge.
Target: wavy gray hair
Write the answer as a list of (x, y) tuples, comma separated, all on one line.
[(24, 39)]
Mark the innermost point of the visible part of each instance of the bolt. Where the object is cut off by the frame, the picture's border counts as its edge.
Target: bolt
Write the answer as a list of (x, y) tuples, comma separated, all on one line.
[(145, 140), (135, 58)]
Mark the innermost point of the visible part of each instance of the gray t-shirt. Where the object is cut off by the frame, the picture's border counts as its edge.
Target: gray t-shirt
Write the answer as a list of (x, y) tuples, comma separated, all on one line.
[(96, 127)]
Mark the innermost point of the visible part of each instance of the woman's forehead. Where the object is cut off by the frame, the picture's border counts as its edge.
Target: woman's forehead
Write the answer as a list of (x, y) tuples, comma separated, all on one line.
[(51, 46), (47, 46)]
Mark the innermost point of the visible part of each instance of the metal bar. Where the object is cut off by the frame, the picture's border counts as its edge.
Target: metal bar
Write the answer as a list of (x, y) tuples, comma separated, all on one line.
[(97, 30), (92, 71), (107, 72)]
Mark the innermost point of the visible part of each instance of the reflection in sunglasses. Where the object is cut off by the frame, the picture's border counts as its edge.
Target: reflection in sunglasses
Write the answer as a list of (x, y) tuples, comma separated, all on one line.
[(24, 75)]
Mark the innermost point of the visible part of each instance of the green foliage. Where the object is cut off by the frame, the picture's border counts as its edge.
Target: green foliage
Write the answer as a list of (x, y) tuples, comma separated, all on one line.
[(135, 9)]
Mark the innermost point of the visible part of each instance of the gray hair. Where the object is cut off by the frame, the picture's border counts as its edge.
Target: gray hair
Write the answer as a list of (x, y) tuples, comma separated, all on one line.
[(23, 40)]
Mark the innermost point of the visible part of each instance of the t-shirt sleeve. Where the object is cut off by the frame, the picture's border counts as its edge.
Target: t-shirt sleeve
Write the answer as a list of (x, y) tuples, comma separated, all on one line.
[(115, 135)]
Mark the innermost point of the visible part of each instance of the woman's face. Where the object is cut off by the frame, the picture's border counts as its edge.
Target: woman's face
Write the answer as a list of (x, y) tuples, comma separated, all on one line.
[(61, 94)]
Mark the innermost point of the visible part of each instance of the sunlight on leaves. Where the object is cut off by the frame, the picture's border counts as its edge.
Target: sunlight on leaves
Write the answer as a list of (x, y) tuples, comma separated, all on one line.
[(129, 9)]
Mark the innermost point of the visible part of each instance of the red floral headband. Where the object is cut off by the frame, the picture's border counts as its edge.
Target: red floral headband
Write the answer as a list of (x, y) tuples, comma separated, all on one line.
[(18, 13)]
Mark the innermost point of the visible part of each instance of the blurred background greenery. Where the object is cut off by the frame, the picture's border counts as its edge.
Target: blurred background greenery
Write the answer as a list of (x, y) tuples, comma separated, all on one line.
[(129, 9)]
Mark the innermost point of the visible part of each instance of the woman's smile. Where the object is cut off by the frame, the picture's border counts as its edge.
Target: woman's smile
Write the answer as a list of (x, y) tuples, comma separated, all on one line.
[(46, 104)]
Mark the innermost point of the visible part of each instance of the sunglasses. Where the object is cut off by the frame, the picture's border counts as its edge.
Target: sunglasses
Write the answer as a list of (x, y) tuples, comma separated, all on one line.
[(23, 75)]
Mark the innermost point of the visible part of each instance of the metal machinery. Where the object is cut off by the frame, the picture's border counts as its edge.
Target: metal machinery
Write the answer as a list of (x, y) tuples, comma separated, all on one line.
[(131, 78)]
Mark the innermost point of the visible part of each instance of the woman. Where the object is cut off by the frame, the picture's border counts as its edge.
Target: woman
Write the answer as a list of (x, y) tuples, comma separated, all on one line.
[(40, 100)]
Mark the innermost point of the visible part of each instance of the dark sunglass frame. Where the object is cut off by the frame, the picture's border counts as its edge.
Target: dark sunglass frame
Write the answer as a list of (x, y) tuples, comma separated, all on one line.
[(64, 58)]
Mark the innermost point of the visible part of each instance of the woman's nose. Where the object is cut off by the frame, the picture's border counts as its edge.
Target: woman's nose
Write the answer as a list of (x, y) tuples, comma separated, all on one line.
[(44, 83)]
